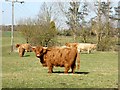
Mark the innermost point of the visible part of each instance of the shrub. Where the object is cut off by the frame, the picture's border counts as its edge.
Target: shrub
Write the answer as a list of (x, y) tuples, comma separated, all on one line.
[(40, 34), (105, 44)]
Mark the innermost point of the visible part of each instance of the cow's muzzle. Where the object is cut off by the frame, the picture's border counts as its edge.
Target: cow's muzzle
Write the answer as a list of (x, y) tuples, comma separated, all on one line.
[(38, 55)]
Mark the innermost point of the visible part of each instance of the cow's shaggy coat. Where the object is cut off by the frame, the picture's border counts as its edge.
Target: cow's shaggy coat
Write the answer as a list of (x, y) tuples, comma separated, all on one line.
[(63, 57)]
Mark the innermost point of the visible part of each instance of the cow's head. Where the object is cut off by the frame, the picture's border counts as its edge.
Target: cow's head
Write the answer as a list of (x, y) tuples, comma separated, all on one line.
[(94, 46), (39, 51)]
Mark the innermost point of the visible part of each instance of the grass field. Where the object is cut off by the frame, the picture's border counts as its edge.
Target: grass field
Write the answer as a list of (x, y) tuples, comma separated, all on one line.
[(98, 70)]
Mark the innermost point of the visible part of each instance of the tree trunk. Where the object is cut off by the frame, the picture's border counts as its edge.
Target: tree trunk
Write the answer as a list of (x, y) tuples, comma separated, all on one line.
[(74, 33)]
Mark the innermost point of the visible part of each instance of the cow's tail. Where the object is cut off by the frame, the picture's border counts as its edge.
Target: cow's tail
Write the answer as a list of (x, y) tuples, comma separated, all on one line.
[(78, 60)]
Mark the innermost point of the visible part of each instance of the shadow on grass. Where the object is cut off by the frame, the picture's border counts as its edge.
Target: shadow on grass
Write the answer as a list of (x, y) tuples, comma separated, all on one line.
[(62, 72), (26, 56), (82, 72), (87, 53)]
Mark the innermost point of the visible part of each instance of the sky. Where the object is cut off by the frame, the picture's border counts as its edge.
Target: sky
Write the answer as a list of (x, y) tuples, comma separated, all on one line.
[(25, 10), (29, 8)]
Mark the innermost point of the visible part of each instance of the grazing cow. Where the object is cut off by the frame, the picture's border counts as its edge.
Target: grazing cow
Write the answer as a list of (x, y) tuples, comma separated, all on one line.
[(87, 47), (22, 48), (26, 46), (83, 46), (63, 57), (21, 51)]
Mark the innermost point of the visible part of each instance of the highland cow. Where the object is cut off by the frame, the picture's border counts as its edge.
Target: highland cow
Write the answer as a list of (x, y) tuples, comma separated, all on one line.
[(55, 56)]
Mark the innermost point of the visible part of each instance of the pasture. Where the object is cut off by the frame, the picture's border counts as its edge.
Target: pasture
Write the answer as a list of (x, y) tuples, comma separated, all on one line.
[(97, 70)]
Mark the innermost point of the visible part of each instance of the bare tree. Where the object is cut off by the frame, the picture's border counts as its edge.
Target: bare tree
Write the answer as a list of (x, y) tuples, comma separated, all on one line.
[(103, 12), (75, 17), (26, 27), (72, 15), (41, 30)]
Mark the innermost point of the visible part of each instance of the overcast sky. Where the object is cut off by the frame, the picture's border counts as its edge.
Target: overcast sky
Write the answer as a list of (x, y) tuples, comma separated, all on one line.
[(28, 9)]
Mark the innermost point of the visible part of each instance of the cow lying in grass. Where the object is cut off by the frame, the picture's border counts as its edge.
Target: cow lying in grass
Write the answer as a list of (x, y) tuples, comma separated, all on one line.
[(83, 46), (22, 48), (55, 56)]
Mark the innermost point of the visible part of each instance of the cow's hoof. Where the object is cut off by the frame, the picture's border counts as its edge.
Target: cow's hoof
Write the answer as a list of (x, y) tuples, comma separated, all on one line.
[(49, 71)]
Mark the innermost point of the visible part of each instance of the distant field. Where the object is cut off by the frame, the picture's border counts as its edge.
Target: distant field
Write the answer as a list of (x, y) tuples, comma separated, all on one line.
[(98, 70)]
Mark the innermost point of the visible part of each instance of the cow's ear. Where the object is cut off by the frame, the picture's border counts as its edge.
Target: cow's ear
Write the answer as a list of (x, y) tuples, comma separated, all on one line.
[(66, 44), (33, 49), (17, 45)]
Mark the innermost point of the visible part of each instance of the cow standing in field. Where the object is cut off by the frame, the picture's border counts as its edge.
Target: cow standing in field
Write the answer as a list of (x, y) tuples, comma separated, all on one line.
[(83, 46), (21, 51), (87, 47), (22, 48), (26, 46), (63, 57)]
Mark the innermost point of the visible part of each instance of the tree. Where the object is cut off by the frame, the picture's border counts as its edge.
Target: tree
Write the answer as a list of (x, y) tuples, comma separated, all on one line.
[(41, 30), (76, 17), (72, 16), (45, 21), (117, 13), (103, 27), (83, 14), (26, 27), (117, 10)]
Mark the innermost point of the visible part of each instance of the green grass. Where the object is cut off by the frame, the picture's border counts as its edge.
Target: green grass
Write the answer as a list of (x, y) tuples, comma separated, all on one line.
[(97, 70)]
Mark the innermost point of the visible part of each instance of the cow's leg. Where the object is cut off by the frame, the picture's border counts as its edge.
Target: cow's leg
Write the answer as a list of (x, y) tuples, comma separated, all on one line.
[(67, 67), (88, 51), (73, 68), (23, 52), (50, 69)]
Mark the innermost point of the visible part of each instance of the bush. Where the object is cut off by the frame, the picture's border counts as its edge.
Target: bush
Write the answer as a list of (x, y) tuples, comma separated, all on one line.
[(40, 34), (65, 33), (105, 44)]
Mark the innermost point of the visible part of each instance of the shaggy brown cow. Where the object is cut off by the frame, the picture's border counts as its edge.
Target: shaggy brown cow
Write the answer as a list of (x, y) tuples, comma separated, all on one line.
[(26, 46), (22, 48), (63, 57), (71, 44), (21, 51)]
